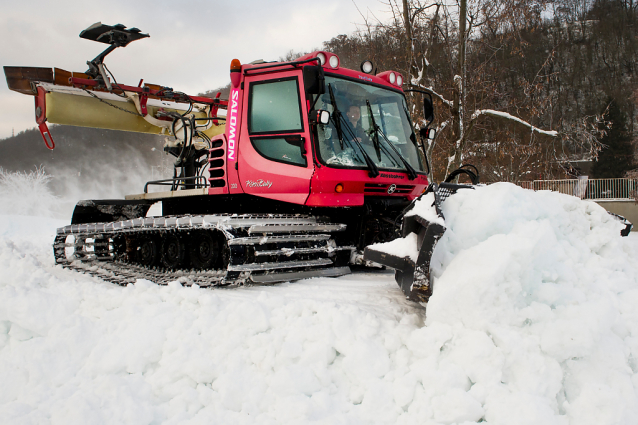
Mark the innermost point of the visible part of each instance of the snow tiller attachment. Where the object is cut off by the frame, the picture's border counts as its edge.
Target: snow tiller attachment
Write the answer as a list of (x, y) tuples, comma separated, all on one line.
[(423, 225)]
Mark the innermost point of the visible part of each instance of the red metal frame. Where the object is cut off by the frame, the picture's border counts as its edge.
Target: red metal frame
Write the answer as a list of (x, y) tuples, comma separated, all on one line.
[(41, 118), (78, 82)]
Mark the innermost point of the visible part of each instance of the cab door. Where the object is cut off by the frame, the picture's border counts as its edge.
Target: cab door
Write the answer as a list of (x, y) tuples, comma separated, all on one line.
[(274, 158)]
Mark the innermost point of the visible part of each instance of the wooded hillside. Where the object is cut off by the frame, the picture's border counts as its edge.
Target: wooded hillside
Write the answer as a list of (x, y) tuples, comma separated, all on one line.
[(554, 64)]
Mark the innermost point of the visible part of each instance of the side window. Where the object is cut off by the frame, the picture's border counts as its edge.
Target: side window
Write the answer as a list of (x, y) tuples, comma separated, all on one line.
[(274, 107), (286, 149)]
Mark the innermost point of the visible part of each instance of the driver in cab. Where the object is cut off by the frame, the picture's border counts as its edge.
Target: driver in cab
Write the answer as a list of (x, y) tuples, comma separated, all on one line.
[(354, 117)]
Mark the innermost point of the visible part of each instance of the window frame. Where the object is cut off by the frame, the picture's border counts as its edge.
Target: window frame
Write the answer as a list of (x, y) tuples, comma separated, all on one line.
[(322, 161), (301, 148), (250, 109)]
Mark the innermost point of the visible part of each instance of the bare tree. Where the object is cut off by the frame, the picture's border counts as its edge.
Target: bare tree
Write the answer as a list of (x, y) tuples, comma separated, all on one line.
[(460, 122), (516, 92)]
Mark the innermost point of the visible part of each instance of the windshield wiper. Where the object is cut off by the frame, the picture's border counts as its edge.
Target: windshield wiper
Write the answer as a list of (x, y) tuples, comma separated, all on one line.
[(375, 133), (337, 114), (412, 174), (338, 120)]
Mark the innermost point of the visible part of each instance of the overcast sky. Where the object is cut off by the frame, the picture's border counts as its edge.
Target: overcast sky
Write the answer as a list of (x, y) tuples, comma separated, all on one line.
[(191, 44)]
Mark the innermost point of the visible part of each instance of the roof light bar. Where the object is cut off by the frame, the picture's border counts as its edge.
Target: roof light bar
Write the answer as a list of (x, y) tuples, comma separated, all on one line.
[(392, 77)]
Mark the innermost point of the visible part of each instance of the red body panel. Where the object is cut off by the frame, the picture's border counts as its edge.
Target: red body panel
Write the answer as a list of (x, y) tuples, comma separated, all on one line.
[(357, 184), (233, 126), (264, 177)]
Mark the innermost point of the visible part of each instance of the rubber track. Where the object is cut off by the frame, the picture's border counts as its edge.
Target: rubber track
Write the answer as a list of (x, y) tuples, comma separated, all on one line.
[(240, 232)]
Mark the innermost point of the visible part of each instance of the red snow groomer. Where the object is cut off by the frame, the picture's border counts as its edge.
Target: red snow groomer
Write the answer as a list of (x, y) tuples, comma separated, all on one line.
[(305, 165)]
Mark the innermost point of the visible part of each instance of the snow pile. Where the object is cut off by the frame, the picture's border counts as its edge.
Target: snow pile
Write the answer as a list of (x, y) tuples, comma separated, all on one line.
[(531, 321), (534, 308)]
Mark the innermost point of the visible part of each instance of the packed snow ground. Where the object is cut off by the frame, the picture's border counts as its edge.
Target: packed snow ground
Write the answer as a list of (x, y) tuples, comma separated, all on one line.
[(533, 320)]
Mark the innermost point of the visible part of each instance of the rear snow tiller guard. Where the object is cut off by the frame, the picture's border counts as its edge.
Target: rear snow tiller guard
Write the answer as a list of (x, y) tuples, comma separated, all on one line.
[(414, 277)]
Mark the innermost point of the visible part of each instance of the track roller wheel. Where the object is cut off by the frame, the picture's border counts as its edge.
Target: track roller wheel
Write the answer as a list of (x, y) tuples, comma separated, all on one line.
[(101, 247), (173, 251), (148, 252), (205, 250)]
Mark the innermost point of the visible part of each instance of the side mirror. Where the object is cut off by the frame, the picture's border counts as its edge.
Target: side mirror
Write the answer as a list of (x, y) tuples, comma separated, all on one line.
[(427, 133), (428, 109), (319, 117), (314, 80)]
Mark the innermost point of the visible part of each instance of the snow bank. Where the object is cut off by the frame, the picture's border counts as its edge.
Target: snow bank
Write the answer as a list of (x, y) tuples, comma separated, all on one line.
[(532, 321), (535, 299)]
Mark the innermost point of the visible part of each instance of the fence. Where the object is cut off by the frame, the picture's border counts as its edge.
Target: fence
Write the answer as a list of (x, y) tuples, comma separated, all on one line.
[(594, 189)]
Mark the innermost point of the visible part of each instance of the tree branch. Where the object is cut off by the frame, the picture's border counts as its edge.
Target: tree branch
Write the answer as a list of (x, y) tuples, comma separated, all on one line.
[(504, 115), (430, 90)]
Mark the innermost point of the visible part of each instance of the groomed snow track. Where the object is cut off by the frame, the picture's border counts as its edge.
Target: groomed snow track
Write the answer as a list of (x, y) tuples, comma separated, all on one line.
[(207, 250)]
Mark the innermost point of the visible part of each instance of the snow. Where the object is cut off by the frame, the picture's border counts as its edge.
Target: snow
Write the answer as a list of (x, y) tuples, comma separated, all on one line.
[(532, 320), (424, 207), (407, 246), (400, 247)]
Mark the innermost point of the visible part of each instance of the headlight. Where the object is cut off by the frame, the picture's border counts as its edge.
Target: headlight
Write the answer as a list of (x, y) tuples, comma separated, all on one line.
[(399, 80), (322, 58), (366, 67), (393, 78), (334, 61)]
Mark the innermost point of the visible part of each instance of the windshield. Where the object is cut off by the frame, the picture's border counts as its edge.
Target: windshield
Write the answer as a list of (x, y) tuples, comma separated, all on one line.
[(389, 111)]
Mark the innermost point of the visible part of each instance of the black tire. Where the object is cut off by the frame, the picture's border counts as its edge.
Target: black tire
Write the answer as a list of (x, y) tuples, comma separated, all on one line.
[(205, 250), (173, 251), (147, 252)]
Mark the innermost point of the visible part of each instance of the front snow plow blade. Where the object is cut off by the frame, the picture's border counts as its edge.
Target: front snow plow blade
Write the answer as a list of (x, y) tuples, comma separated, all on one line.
[(410, 256)]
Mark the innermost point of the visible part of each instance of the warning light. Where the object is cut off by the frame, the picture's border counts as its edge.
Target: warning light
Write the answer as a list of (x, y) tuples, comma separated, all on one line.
[(235, 74)]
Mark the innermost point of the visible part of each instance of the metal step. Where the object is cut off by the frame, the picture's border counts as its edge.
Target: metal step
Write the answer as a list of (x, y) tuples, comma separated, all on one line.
[(260, 240), (292, 251), (279, 265), (290, 228), (286, 276)]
